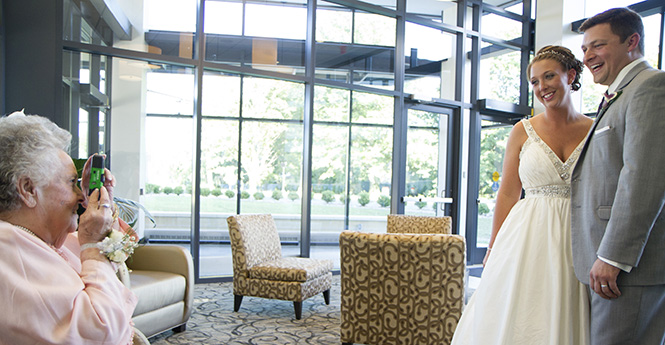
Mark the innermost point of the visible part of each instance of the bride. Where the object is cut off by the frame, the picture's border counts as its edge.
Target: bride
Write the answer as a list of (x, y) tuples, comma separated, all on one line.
[(528, 293)]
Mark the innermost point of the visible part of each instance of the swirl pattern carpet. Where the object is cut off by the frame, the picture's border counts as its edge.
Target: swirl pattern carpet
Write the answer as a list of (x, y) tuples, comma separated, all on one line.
[(259, 321)]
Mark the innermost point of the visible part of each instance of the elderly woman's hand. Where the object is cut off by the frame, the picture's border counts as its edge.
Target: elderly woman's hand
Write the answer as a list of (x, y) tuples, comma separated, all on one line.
[(97, 219)]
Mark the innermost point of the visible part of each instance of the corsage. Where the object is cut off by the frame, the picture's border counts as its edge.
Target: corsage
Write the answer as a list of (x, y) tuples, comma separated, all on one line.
[(116, 246)]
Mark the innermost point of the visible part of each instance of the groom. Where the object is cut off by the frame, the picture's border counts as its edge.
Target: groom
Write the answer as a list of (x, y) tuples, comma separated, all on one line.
[(618, 187)]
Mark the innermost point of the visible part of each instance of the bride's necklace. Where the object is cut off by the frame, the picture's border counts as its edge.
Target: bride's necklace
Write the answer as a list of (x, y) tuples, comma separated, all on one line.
[(50, 245)]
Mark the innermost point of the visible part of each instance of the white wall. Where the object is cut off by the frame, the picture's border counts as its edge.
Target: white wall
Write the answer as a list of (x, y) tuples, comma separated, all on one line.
[(128, 112)]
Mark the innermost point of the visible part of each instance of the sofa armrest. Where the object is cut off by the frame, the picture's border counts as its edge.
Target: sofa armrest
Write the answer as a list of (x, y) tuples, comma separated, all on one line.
[(167, 258)]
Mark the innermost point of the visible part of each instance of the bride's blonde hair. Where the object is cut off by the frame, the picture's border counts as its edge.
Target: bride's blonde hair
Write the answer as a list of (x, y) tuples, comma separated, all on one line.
[(564, 57)]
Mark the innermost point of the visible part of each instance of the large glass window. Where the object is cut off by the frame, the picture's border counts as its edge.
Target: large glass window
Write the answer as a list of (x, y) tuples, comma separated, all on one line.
[(438, 11), (592, 93), (251, 160), (501, 27), (652, 38), (169, 108), (245, 100), (500, 73), (219, 170), (170, 28), (281, 20), (333, 23), (223, 18), (493, 139), (267, 36), (426, 162), (430, 62), (351, 166), (330, 163), (356, 47), (85, 91)]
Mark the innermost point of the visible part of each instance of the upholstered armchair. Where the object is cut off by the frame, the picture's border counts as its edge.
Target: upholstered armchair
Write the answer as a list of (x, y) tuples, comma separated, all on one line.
[(162, 277), (398, 223), (259, 270), (401, 288)]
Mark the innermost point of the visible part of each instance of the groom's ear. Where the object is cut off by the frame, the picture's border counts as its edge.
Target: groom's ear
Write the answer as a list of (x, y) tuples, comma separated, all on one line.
[(633, 42)]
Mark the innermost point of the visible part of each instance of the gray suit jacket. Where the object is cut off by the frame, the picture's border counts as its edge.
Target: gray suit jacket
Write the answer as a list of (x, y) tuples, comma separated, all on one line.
[(618, 185)]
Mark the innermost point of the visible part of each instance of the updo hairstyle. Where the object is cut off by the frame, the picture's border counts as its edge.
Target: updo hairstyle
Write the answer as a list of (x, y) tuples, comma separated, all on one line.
[(564, 57)]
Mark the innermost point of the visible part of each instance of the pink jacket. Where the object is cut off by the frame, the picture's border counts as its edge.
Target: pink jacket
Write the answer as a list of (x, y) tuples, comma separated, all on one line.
[(49, 297)]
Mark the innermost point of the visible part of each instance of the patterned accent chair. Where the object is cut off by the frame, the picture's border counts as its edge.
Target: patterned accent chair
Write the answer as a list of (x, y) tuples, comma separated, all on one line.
[(398, 223), (401, 288), (259, 270)]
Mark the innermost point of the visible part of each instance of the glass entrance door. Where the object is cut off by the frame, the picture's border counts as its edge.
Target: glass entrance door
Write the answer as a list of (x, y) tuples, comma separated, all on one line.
[(427, 154), (493, 140), (493, 137)]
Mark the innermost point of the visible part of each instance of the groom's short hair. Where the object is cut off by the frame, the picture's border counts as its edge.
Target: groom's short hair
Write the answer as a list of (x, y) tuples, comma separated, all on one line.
[(623, 22)]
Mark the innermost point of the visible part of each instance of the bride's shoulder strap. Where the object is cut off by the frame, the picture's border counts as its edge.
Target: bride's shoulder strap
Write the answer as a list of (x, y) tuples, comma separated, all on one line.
[(528, 128)]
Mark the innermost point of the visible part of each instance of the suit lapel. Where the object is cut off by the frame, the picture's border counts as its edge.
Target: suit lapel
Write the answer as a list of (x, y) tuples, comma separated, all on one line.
[(602, 110), (626, 80)]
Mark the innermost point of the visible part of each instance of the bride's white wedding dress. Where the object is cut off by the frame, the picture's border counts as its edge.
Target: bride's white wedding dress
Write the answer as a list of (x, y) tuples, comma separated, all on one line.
[(528, 293)]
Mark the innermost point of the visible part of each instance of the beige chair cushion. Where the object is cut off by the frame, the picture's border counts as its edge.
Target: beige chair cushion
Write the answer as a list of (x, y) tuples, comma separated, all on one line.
[(156, 289), (288, 291), (291, 269)]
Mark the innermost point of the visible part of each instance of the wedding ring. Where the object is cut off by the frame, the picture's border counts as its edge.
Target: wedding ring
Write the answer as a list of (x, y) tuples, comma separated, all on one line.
[(603, 286), (105, 205)]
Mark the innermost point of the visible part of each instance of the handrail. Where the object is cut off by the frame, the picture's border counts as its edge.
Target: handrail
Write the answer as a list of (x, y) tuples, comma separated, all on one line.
[(426, 199)]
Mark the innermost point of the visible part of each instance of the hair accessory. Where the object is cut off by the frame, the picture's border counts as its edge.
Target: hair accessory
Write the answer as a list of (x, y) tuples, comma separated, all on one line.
[(552, 52)]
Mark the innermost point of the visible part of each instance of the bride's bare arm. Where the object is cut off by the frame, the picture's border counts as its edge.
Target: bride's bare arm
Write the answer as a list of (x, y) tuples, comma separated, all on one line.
[(510, 188)]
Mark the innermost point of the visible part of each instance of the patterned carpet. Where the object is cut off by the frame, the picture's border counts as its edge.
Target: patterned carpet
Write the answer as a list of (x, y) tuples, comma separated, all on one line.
[(259, 321)]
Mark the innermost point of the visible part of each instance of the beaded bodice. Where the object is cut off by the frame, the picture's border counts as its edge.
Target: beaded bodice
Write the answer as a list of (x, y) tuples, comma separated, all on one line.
[(541, 171)]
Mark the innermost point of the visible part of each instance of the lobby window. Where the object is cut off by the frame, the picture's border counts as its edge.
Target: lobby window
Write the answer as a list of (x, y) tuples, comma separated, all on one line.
[(500, 73), (351, 169), (430, 62), (355, 47), (268, 36), (169, 106)]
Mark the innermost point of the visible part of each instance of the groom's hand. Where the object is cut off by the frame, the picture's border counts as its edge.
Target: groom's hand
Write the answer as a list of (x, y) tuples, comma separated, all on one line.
[(603, 279)]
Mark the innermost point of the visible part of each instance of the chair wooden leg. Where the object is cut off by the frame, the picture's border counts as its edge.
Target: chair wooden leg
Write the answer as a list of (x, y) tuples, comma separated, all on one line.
[(180, 329), (237, 299), (326, 296), (298, 307)]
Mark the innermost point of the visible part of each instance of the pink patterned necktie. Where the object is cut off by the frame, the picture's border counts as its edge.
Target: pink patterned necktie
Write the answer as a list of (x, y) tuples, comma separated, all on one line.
[(606, 99)]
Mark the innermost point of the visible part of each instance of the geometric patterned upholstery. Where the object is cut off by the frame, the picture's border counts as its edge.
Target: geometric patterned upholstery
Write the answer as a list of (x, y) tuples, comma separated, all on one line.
[(401, 288), (259, 270), (398, 223), (291, 269)]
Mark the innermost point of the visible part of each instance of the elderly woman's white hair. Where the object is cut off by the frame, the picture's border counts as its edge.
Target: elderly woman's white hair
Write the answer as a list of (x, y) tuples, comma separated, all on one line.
[(29, 148)]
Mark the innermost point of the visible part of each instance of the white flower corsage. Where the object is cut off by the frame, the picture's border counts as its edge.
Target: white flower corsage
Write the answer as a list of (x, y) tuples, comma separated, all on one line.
[(117, 246)]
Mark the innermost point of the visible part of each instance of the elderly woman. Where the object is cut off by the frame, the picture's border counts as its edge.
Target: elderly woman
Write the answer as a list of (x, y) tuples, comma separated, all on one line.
[(55, 285)]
